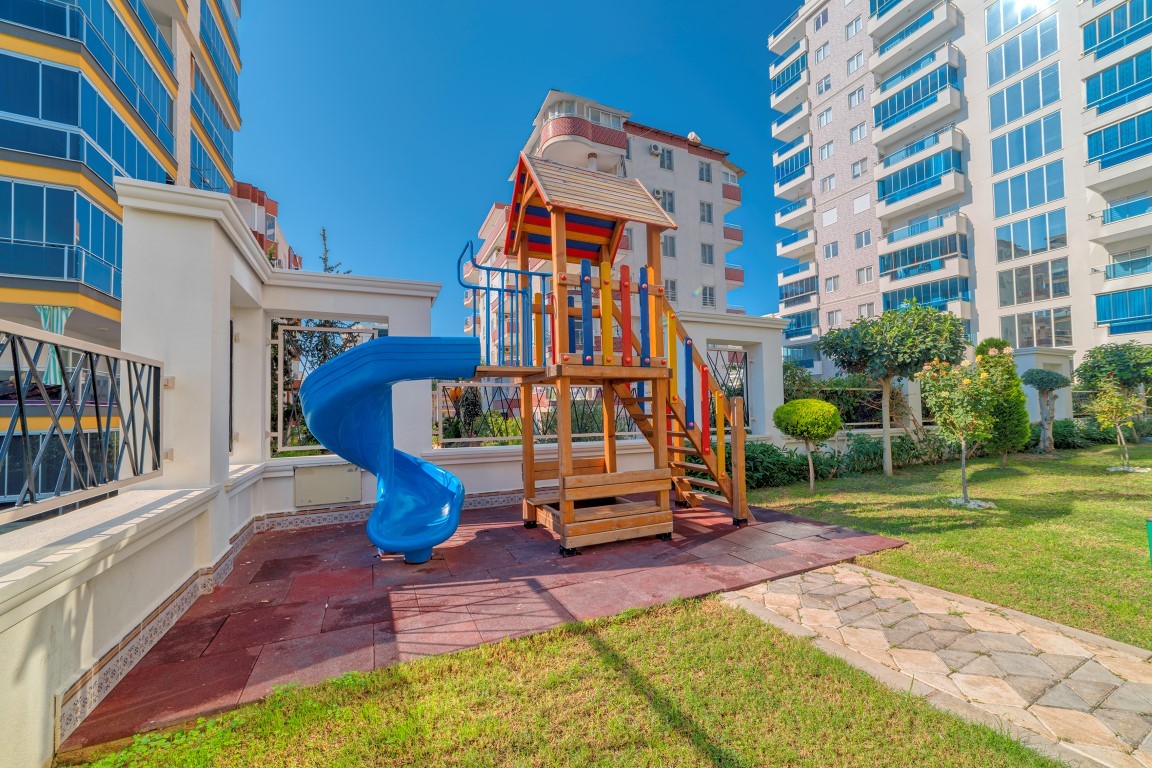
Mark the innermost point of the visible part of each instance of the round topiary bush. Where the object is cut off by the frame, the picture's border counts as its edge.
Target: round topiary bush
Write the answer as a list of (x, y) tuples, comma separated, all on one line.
[(812, 421), (1046, 383)]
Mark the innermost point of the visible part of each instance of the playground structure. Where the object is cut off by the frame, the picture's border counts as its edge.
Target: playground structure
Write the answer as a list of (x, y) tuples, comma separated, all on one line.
[(568, 315)]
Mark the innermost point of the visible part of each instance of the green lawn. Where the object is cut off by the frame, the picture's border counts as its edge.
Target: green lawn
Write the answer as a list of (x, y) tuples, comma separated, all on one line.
[(1066, 542), (688, 684)]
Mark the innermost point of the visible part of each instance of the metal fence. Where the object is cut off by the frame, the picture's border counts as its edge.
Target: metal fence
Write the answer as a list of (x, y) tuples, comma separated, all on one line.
[(468, 415), (78, 421)]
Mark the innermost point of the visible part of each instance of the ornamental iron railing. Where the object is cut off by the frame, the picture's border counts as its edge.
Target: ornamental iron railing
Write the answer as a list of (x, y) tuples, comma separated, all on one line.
[(77, 422)]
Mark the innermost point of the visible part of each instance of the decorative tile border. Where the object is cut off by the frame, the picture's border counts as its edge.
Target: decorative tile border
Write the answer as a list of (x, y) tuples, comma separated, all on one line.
[(490, 500), (295, 521)]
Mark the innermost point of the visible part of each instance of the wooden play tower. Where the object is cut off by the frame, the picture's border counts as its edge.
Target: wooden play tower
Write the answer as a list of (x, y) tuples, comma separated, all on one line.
[(564, 228)]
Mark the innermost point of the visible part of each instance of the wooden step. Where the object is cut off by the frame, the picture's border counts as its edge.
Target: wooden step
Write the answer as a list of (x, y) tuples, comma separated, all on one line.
[(690, 466), (685, 449), (544, 501), (700, 482)]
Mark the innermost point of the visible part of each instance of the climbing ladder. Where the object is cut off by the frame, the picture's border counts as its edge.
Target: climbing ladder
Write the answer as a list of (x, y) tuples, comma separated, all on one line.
[(543, 318)]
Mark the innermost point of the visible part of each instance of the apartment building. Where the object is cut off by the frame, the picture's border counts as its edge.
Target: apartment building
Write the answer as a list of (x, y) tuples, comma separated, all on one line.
[(262, 215), (1006, 174), (696, 183), (93, 90)]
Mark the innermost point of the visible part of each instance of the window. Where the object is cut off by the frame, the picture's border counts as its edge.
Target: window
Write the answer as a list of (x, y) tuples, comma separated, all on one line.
[(828, 183), (937, 294), (914, 97), (670, 289), (855, 62), (861, 204), (834, 318), (666, 159), (705, 171), (1004, 16), (827, 150), (1026, 143), (1125, 24), (1025, 97), (866, 310), (1122, 141), (729, 178), (1027, 190), (667, 200), (858, 132), (1038, 282), (923, 257), (825, 117), (864, 275), (859, 167), (828, 218), (853, 28), (864, 239), (706, 212), (1041, 328), (628, 148), (1022, 51), (831, 250), (823, 85), (1120, 84), (831, 284), (708, 296), (856, 98), (668, 246), (913, 179), (600, 117), (822, 52), (820, 20), (707, 253)]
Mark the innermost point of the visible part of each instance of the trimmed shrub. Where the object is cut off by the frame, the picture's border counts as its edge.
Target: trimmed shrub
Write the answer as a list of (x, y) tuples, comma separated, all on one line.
[(812, 421), (992, 342)]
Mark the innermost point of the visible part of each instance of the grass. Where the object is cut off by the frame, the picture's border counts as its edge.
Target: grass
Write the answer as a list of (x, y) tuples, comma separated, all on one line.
[(687, 684), (1067, 541)]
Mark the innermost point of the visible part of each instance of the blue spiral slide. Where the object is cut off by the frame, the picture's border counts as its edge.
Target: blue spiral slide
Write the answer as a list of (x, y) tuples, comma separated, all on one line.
[(347, 405)]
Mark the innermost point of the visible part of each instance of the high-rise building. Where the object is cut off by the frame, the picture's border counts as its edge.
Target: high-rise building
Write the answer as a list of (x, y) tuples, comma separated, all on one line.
[(92, 90), (697, 184), (991, 159)]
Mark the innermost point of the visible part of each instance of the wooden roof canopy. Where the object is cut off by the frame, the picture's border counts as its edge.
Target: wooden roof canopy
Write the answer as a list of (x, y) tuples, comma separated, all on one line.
[(596, 207)]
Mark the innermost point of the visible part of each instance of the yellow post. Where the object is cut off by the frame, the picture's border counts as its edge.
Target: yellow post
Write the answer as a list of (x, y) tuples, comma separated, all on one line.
[(720, 404), (674, 387), (606, 346)]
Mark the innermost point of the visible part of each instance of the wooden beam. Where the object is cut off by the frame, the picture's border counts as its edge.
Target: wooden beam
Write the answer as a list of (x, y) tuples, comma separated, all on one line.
[(560, 280), (739, 489), (564, 445), (608, 407), (528, 440)]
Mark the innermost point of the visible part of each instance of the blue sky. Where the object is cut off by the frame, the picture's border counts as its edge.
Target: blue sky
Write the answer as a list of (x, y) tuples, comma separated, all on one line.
[(396, 124)]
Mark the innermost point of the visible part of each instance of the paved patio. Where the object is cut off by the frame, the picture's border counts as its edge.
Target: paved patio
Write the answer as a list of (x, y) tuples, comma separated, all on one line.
[(1087, 697), (307, 605)]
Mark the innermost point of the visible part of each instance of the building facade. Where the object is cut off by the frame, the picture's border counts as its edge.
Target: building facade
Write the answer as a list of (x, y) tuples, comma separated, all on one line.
[(262, 215), (998, 153), (94, 90), (697, 184)]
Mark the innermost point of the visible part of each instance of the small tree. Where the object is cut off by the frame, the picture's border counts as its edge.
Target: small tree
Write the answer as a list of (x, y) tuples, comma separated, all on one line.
[(812, 421), (898, 343), (1046, 383), (963, 397), (990, 343), (1011, 426), (1115, 409), (1128, 365)]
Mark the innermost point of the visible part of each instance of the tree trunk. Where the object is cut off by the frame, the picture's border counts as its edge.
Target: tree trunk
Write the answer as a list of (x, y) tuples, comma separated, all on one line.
[(964, 469), (1004, 460), (886, 408), (811, 468), (1045, 428), (1122, 443)]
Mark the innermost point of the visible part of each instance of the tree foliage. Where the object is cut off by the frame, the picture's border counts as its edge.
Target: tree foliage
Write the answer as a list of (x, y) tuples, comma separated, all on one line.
[(1128, 365), (992, 342), (812, 421), (897, 343), (1011, 427), (1114, 408)]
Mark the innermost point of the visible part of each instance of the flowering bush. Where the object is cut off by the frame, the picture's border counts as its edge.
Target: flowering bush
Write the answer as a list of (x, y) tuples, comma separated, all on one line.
[(964, 397), (1115, 409)]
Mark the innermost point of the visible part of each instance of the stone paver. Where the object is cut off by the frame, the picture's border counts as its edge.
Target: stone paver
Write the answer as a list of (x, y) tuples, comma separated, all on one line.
[(1088, 697)]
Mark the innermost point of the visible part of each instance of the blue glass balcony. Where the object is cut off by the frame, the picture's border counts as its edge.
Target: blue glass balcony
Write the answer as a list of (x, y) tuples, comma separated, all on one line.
[(1125, 311), (790, 76), (919, 228), (787, 116), (796, 269), (1122, 142), (794, 167), (1130, 268), (791, 207), (1114, 30), (918, 177), (912, 149), (881, 8), (794, 237), (59, 262), (1128, 209), (788, 21), (916, 97), (907, 31)]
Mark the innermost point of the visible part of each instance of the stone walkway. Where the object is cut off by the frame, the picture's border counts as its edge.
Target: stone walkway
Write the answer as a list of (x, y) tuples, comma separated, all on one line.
[(1084, 698)]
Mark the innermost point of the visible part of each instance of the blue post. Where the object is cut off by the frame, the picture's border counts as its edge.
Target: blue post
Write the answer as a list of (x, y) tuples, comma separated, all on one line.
[(571, 326), (689, 385), (586, 325), (526, 323), (645, 338)]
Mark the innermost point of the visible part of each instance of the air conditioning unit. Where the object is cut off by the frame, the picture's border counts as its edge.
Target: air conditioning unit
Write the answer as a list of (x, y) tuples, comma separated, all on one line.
[(657, 193), (654, 149)]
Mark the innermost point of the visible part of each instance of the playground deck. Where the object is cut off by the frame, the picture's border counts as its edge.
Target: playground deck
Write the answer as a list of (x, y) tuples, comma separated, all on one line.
[(307, 605)]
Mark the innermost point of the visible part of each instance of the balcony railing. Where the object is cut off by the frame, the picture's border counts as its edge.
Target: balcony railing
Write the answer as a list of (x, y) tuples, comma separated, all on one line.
[(1127, 209), (788, 21), (919, 228), (881, 8), (77, 421), (792, 207), (788, 115), (915, 148), (795, 237), (59, 262), (908, 31), (1130, 268), (797, 269)]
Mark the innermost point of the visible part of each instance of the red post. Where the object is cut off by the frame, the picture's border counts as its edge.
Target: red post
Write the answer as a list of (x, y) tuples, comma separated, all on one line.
[(705, 412), (626, 309)]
